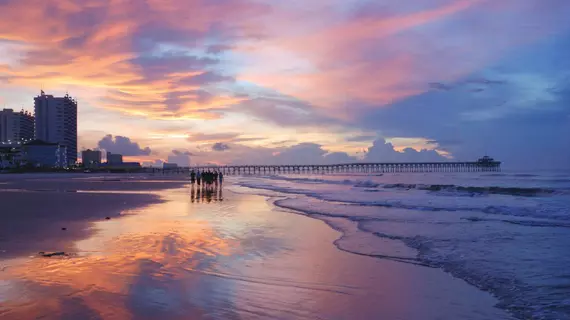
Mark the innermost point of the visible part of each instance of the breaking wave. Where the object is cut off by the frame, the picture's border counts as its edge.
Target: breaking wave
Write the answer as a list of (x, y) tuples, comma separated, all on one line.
[(507, 239), (513, 191)]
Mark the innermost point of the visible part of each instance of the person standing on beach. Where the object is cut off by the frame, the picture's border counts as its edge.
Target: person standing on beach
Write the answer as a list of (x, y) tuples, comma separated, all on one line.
[(198, 177), (221, 177), (192, 176)]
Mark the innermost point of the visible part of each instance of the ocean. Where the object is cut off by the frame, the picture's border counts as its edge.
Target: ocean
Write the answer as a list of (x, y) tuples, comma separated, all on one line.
[(506, 233)]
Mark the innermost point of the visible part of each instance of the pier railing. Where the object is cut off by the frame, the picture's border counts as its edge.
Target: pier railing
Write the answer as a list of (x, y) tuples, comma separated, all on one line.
[(489, 166)]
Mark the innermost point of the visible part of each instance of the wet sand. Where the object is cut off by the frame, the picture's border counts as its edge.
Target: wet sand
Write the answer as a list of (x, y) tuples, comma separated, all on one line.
[(183, 254), (36, 207)]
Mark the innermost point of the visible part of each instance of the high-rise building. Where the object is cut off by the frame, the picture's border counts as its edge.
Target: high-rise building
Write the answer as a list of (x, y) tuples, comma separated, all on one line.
[(16, 126), (56, 122), (91, 158)]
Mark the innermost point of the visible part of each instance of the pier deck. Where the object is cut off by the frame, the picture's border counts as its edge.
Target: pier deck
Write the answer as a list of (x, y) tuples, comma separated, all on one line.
[(477, 166)]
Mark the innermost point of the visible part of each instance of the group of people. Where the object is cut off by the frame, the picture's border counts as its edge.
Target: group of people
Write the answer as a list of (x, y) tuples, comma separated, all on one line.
[(208, 177)]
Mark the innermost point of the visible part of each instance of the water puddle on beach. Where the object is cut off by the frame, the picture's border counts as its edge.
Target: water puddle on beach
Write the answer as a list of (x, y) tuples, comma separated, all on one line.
[(219, 255)]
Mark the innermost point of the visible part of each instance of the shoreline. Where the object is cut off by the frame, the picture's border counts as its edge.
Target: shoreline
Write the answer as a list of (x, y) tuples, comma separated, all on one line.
[(238, 256)]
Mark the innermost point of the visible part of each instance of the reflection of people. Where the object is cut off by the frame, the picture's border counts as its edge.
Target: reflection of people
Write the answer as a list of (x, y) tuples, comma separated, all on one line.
[(209, 193), (198, 195)]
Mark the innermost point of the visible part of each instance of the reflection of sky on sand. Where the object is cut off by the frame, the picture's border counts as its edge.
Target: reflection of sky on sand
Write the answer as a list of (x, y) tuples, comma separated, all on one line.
[(134, 265), (233, 259)]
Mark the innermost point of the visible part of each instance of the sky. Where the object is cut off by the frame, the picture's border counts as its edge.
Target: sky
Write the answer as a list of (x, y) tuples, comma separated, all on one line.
[(299, 82)]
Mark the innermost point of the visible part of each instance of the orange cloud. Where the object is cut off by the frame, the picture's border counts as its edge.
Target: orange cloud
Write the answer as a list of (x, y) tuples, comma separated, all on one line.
[(99, 44), (340, 72)]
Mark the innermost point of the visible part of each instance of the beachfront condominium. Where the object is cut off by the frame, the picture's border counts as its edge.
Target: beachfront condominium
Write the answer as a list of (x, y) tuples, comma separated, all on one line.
[(114, 158), (16, 126), (56, 122), (91, 158)]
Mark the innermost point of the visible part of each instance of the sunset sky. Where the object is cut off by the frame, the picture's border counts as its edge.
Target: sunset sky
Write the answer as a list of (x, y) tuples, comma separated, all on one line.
[(315, 81)]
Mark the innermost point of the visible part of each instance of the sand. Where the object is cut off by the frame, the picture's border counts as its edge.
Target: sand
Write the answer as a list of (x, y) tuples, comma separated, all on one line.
[(169, 253)]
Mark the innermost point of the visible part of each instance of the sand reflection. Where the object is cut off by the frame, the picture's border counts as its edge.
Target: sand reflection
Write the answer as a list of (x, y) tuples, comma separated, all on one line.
[(135, 265)]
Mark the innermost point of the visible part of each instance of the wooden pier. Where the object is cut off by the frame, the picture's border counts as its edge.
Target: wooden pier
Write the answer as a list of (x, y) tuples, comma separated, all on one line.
[(484, 164)]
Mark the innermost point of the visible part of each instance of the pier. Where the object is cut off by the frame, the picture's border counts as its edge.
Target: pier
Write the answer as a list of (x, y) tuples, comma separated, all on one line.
[(484, 164)]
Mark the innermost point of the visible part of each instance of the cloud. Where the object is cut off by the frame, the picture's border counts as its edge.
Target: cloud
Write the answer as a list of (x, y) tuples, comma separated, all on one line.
[(181, 158), (487, 74), (182, 153), (284, 111), (156, 163), (218, 48), (382, 151), (205, 78), (122, 145), (520, 119), (303, 153), (132, 47), (212, 137), (218, 146), (362, 138)]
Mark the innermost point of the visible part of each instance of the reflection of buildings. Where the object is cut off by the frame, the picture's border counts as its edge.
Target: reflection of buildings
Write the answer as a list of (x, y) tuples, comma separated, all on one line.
[(56, 122), (91, 158), (16, 126)]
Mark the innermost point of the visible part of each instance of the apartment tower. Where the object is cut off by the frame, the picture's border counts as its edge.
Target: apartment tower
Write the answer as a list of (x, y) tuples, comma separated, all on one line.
[(56, 122), (16, 126)]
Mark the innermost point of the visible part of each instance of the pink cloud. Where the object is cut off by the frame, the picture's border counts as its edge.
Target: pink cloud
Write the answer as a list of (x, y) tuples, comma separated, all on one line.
[(380, 58)]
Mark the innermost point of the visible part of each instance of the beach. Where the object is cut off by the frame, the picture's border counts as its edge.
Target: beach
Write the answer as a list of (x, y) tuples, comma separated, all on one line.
[(167, 252)]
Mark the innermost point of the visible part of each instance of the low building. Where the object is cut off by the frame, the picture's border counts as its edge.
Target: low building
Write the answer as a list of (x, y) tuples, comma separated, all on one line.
[(39, 153), (114, 159), (167, 165), (91, 158), (122, 167), (10, 156)]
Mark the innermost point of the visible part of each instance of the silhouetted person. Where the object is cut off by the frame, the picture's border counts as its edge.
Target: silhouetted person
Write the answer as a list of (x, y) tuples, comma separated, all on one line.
[(192, 177), (198, 177), (221, 177)]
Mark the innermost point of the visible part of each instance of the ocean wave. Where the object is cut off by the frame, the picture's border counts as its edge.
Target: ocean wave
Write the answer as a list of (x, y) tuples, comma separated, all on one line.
[(346, 182), (526, 223), (513, 191), (311, 180), (366, 184), (520, 209), (450, 252)]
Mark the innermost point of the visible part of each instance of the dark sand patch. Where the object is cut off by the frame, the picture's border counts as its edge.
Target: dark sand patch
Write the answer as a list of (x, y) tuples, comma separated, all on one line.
[(33, 221), (49, 212)]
